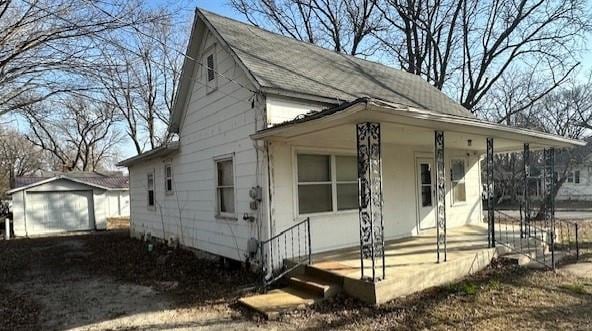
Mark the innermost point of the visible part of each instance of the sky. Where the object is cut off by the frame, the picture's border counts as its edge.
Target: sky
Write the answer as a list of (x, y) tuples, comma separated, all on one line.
[(223, 8)]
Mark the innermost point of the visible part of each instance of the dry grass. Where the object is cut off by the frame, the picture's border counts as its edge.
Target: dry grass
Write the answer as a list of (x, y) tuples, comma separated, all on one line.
[(500, 298)]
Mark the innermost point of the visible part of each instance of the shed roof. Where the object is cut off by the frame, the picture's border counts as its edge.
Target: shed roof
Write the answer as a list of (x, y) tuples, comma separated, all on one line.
[(95, 179)]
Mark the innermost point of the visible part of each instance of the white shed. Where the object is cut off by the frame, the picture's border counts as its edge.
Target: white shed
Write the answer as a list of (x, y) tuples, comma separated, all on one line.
[(67, 202)]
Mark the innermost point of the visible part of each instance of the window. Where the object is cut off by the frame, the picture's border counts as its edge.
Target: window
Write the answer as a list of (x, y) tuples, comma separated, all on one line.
[(347, 182), (457, 179), (573, 177), (225, 187), (150, 186), (326, 183), (168, 178)]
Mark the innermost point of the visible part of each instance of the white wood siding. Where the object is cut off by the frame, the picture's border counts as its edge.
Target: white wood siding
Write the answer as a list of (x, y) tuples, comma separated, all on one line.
[(215, 124), (341, 229), (281, 109)]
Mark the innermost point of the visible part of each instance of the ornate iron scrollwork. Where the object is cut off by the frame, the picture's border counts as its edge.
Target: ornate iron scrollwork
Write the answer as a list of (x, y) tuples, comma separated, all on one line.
[(549, 207), (440, 195), (525, 226), (490, 195), (370, 196)]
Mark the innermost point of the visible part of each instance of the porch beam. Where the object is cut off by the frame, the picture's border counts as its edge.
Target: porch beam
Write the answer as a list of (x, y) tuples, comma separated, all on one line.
[(370, 198), (440, 196), (490, 195)]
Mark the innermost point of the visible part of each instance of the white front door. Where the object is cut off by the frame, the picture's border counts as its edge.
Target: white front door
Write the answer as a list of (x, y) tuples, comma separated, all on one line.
[(425, 193)]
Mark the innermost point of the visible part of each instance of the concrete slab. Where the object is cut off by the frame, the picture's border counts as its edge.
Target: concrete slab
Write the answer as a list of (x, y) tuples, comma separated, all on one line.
[(410, 264), (274, 302)]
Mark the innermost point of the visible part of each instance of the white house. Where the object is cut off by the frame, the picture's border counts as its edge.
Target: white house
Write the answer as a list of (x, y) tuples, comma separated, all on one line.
[(76, 201), (274, 131), (578, 185)]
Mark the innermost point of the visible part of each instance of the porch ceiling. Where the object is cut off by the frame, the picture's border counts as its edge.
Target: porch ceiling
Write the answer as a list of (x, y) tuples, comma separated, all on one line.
[(405, 126)]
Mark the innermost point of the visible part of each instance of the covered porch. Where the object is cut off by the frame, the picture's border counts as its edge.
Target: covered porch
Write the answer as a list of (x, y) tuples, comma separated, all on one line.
[(418, 217)]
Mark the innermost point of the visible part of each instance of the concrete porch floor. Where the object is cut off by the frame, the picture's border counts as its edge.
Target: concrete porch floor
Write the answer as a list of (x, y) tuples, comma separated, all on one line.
[(410, 263)]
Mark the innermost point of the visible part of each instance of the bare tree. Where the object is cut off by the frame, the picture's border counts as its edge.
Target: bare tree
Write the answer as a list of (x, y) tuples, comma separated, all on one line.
[(18, 157), (46, 46), (78, 134), (475, 43), (141, 78), (343, 26)]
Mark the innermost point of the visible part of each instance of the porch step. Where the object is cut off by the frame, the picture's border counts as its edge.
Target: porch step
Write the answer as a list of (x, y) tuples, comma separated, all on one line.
[(314, 285), (272, 303), (310, 287)]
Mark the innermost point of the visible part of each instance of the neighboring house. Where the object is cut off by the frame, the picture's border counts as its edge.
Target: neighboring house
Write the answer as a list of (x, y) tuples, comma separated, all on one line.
[(578, 185), (63, 202), (272, 131)]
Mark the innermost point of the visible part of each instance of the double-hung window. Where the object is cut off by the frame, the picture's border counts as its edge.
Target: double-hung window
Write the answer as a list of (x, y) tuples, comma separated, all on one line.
[(150, 189), (225, 187), (457, 179), (168, 178), (326, 183)]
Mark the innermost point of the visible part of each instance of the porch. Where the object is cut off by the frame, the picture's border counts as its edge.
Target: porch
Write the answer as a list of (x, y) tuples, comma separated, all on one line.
[(410, 263), (402, 173)]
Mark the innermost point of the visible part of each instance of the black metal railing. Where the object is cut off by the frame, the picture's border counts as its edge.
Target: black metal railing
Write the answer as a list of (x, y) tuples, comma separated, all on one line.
[(524, 235), (543, 240), (285, 252)]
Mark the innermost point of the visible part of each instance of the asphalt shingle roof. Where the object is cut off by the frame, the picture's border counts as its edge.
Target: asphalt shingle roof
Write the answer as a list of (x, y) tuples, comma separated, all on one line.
[(280, 62), (93, 178)]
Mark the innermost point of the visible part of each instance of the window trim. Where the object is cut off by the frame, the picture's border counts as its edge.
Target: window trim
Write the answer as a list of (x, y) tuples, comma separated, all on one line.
[(453, 202), (153, 205), (332, 153), (219, 214), (212, 85), (166, 190)]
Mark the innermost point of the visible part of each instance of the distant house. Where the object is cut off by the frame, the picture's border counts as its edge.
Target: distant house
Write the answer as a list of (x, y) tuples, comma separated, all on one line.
[(64, 202), (578, 185), (286, 149)]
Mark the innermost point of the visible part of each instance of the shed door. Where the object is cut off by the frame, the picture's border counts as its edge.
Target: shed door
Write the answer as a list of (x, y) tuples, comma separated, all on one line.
[(59, 211)]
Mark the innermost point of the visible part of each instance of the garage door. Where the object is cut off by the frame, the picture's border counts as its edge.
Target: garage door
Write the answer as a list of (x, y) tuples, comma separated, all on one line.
[(58, 211)]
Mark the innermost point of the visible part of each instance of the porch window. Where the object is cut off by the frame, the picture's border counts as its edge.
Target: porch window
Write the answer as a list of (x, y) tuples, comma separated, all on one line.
[(225, 187), (347, 182), (326, 183), (457, 179), (150, 189)]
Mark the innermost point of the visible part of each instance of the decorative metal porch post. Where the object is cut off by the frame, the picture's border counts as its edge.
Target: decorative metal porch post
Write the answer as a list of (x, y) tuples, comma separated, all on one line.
[(440, 195), (490, 195), (549, 182), (370, 196), (525, 227)]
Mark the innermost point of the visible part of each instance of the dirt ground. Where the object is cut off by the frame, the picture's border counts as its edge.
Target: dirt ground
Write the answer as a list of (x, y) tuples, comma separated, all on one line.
[(107, 281)]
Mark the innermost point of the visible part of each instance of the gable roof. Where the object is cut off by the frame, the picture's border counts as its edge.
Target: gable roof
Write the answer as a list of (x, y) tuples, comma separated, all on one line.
[(106, 182), (277, 64)]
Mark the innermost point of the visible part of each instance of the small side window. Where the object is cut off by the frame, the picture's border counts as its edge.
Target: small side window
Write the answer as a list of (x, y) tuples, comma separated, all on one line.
[(225, 187), (150, 189), (577, 176), (168, 178)]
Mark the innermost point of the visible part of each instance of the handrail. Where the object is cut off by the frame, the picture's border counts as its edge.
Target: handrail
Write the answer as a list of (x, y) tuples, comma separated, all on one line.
[(285, 260)]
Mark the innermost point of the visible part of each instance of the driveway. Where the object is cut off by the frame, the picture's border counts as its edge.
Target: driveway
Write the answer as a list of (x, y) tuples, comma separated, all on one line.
[(90, 283)]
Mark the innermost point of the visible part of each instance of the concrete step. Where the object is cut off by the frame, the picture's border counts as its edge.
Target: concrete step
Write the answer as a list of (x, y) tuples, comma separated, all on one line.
[(314, 285), (272, 303), (324, 275)]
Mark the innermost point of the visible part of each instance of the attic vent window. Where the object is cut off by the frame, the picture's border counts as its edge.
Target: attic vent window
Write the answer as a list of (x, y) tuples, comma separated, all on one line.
[(210, 64)]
